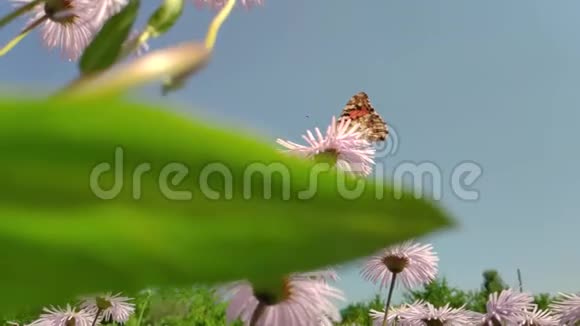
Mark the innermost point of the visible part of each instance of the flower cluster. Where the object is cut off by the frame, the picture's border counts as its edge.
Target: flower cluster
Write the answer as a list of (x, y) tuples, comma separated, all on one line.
[(72, 24), (424, 313), (92, 310), (503, 308), (415, 264)]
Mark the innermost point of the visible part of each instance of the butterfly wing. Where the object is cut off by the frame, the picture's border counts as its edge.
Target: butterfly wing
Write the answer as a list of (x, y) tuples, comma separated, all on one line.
[(360, 110)]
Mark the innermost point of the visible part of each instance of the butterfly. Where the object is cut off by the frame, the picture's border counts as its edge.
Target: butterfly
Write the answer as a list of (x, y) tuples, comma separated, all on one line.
[(360, 110)]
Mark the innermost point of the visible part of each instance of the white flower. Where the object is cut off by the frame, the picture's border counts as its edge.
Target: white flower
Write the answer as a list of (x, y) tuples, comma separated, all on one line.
[(413, 263), (64, 317), (343, 145), (425, 314), (567, 308), (507, 307), (110, 307), (67, 24), (538, 317), (305, 301)]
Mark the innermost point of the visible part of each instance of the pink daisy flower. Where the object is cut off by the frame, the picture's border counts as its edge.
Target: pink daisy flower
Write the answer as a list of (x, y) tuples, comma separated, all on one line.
[(110, 307), (508, 307), (66, 24), (413, 263), (539, 317), (343, 145), (64, 317), (567, 308), (425, 314), (305, 301)]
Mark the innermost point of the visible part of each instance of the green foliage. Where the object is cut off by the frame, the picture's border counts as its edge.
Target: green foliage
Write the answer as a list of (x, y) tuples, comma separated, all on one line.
[(439, 293), (106, 47), (476, 301), (543, 300), (126, 240), (195, 306), (492, 282), (358, 313), (23, 316)]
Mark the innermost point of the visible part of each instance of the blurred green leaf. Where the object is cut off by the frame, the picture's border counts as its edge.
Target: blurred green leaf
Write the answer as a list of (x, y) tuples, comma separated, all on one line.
[(60, 239), (107, 44)]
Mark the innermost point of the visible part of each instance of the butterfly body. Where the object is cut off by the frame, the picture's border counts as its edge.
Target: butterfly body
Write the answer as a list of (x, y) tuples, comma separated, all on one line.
[(360, 110)]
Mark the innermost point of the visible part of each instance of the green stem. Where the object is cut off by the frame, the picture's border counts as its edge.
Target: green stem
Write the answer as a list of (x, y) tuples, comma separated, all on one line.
[(18, 12), (99, 310), (143, 308), (389, 296), (22, 35)]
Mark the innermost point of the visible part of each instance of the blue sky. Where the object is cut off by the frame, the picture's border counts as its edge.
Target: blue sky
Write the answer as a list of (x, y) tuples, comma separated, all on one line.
[(494, 82)]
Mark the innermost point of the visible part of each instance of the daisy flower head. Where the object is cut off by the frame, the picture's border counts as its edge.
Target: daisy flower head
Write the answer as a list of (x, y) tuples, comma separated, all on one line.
[(508, 307), (218, 4), (304, 301), (412, 263), (66, 24), (343, 146), (567, 308), (537, 317), (68, 316), (425, 314), (109, 307)]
